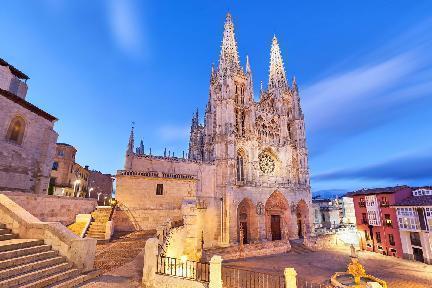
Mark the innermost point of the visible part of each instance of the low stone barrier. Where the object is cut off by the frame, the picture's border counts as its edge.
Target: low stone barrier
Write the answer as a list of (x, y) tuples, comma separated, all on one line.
[(81, 252), (248, 250), (51, 208)]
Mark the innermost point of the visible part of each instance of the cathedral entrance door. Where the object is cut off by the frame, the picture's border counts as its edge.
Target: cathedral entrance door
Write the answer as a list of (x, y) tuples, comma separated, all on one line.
[(300, 228), (245, 232), (276, 227)]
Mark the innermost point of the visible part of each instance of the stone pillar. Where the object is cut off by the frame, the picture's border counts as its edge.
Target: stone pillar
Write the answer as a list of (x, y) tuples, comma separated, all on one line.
[(150, 262), (192, 240), (215, 272), (290, 277)]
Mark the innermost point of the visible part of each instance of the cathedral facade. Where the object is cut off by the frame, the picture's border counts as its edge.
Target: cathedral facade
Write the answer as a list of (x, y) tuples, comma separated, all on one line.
[(247, 164)]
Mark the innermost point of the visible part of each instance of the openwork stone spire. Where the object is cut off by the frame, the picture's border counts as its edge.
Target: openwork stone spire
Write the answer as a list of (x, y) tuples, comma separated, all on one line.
[(229, 58), (248, 68), (277, 78), (131, 144)]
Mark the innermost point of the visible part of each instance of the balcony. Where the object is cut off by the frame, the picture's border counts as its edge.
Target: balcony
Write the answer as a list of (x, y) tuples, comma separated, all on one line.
[(384, 204), (362, 204)]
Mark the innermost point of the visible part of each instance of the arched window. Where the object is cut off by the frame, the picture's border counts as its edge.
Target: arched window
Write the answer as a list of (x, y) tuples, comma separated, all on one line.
[(16, 130), (240, 168)]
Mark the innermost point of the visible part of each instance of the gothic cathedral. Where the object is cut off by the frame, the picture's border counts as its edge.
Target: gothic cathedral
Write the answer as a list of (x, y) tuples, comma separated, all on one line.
[(248, 162)]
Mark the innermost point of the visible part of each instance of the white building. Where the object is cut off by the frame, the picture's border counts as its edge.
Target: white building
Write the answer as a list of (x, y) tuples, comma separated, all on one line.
[(348, 211), (415, 224)]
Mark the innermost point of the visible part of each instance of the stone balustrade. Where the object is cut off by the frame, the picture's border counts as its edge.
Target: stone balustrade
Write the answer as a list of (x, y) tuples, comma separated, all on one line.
[(155, 174)]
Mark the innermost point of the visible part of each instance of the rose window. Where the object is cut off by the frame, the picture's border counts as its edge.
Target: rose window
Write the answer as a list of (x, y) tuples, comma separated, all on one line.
[(266, 163)]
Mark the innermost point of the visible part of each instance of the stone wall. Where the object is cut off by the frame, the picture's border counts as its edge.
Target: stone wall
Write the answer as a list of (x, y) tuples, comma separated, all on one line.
[(141, 209), (9, 82), (27, 166), (52, 208), (101, 185), (165, 281)]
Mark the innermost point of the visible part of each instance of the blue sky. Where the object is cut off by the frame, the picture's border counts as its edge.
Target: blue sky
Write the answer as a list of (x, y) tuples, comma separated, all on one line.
[(363, 67)]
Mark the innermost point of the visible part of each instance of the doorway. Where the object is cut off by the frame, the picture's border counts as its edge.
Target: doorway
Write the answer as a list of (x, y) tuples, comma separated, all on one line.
[(276, 227), (245, 232), (418, 254), (300, 228)]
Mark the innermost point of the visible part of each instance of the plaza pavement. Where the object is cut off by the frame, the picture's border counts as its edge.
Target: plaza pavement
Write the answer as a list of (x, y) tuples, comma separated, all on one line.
[(318, 266)]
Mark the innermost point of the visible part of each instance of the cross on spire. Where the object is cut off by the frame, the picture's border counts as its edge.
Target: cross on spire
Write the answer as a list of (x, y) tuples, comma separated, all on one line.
[(277, 78), (229, 58)]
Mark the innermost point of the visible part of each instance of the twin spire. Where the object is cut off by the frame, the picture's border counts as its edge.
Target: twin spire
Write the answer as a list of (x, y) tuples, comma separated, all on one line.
[(277, 78), (229, 58)]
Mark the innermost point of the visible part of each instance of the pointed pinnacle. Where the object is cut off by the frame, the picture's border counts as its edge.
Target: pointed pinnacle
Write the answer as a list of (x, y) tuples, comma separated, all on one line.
[(248, 69)]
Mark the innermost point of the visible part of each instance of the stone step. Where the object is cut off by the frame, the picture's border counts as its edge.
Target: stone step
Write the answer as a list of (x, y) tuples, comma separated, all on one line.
[(33, 275), (54, 279), (14, 244), (24, 251), (96, 230), (99, 236), (7, 236), (98, 225), (5, 231), (75, 281), (38, 265), (27, 259)]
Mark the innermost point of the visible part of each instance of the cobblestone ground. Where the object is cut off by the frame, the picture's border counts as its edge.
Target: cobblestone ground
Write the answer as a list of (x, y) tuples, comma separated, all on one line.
[(318, 267), (121, 261)]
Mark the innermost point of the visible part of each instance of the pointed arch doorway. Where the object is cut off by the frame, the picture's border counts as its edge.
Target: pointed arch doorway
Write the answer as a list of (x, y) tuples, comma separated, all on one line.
[(247, 221), (277, 217)]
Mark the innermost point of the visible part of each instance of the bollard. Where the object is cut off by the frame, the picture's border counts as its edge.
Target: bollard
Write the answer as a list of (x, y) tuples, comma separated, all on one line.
[(290, 278), (150, 262), (215, 272)]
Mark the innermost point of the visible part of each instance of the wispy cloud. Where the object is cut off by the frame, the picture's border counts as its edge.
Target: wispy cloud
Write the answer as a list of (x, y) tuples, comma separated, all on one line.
[(355, 100), (173, 132), (413, 167), (127, 27)]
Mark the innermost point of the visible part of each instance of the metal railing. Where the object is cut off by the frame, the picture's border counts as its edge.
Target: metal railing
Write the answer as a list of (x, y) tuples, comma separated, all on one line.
[(192, 270), (233, 277)]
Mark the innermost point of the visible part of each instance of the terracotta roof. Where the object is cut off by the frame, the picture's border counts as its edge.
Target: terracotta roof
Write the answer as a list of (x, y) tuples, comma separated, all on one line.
[(424, 200), (20, 101), (14, 70), (65, 144), (385, 190)]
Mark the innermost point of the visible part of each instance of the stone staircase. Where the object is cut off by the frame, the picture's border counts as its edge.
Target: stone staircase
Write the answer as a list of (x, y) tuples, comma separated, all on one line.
[(32, 263), (97, 227), (298, 247)]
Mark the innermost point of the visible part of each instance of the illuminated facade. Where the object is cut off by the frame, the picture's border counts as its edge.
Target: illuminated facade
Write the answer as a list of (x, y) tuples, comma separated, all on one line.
[(376, 219), (249, 158)]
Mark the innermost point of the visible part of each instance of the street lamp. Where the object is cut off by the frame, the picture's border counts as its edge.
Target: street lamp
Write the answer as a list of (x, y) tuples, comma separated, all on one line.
[(90, 190), (76, 183)]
